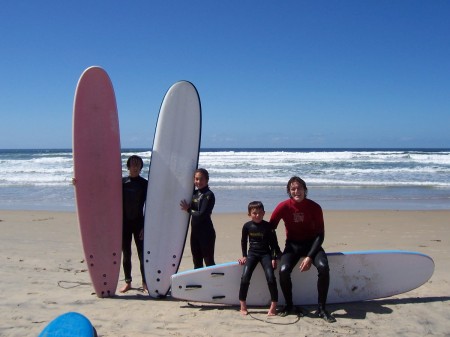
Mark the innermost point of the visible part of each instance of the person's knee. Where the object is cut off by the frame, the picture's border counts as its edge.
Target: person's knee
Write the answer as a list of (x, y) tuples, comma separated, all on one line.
[(285, 271), (323, 267)]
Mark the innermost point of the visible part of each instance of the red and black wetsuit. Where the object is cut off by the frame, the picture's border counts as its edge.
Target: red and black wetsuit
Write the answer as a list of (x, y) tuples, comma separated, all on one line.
[(304, 237)]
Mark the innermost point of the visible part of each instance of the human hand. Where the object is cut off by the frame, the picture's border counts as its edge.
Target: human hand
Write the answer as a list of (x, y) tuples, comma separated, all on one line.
[(306, 264), (274, 264), (184, 205), (242, 260)]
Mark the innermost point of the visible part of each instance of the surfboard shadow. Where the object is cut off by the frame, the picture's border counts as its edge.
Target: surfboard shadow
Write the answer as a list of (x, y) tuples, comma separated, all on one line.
[(353, 310), (359, 310), (141, 296)]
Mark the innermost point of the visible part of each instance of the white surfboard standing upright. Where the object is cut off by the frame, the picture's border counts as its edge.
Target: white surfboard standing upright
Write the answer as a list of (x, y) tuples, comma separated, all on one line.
[(354, 276), (173, 162)]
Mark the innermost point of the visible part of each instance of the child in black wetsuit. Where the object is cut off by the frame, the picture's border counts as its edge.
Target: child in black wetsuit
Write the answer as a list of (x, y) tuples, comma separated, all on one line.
[(263, 249), (203, 234), (134, 193)]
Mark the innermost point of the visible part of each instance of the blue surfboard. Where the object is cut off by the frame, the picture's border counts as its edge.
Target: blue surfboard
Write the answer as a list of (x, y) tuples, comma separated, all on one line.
[(70, 324)]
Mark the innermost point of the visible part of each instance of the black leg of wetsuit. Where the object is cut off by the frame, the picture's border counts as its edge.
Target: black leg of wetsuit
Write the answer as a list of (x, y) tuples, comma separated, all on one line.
[(323, 281), (127, 236), (140, 249), (197, 257), (288, 261), (247, 273), (208, 246), (266, 263)]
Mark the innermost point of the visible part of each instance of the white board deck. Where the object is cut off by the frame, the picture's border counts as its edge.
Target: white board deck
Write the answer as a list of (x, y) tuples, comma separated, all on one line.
[(354, 276), (171, 178)]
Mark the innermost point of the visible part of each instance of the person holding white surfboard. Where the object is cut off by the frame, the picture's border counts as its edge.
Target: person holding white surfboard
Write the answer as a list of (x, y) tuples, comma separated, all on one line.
[(203, 234), (305, 233)]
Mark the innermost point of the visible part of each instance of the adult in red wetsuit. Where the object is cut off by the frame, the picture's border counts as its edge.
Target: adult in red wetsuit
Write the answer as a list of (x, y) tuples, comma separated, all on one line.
[(303, 220)]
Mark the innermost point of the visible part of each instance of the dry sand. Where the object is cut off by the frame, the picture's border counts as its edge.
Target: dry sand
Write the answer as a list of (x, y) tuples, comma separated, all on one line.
[(43, 275)]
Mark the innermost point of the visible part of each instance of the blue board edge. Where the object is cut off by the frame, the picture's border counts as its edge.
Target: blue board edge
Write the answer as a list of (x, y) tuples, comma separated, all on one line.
[(62, 322)]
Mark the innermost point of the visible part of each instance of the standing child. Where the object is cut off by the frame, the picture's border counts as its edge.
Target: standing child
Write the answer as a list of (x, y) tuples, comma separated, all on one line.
[(134, 192), (203, 235), (263, 249)]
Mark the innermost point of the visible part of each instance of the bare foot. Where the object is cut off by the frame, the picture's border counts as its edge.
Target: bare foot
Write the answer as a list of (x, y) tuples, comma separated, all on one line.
[(244, 310), (144, 287), (125, 288), (272, 309)]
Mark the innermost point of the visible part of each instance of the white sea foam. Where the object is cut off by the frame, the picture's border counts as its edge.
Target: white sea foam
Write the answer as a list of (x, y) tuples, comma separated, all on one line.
[(46, 175)]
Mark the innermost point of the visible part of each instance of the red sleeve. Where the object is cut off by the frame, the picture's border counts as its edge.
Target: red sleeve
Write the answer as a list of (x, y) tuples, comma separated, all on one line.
[(277, 215), (318, 219)]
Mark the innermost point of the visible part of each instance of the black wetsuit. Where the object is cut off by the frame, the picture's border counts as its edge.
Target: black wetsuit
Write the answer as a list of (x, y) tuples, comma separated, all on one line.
[(134, 192), (263, 248), (203, 235)]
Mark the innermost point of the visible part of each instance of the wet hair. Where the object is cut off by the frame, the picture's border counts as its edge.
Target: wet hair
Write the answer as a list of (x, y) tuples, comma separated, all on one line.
[(135, 158), (297, 180), (203, 172), (255, 205)]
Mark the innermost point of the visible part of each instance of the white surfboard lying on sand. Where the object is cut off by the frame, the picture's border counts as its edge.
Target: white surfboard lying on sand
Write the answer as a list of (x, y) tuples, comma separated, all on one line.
[(354, 276), (171, 179)]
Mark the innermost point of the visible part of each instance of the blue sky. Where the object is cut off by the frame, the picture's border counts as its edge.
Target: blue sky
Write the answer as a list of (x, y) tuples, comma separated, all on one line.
[(288, 73)]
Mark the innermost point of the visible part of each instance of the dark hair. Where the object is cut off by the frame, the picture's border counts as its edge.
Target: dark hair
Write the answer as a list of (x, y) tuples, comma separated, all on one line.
[(298, 180), (255, 205), (203, 172), (135, 158)]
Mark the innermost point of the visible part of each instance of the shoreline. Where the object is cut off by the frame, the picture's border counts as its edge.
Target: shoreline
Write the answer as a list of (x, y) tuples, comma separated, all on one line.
[(44, 275)]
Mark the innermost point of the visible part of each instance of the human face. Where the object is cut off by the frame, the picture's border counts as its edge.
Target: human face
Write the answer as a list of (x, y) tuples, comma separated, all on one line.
[(297, 191), (257, 215), (200, 180), (135, 168)]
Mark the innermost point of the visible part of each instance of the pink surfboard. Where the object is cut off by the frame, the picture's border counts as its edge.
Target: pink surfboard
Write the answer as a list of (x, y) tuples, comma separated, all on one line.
[(97, 173)]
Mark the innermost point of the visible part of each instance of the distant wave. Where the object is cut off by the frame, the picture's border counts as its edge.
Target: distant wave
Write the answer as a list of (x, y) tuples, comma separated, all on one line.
[(37, 177)]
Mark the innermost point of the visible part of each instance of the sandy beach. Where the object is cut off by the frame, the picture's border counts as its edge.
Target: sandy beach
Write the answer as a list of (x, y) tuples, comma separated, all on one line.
[(43, 275)]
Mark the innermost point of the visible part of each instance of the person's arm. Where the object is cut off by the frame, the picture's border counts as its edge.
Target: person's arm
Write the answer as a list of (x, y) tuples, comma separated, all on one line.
[(317, 244), (206, 205), (274, 247), (244, 239), (276, 217)]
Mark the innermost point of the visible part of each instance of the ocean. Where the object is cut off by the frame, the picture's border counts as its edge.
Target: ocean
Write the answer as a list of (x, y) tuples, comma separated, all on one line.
[(338, 179)]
